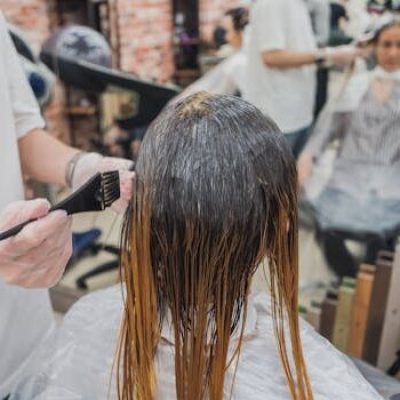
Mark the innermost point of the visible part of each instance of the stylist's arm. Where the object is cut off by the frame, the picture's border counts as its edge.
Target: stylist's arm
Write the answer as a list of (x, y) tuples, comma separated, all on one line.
[(36, 257)]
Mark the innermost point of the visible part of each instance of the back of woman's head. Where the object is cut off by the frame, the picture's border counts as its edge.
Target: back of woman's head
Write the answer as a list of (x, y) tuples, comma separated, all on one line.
[(215, 194)]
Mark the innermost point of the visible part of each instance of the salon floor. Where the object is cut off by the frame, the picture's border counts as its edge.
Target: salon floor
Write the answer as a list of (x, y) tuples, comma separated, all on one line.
[(314, 275)]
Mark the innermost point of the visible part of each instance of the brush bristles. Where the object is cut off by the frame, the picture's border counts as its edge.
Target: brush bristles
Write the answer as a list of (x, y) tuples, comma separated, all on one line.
[(110, 186)]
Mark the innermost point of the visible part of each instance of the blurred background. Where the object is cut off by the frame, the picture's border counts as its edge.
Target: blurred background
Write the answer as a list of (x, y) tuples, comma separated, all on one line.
[(102, 70)]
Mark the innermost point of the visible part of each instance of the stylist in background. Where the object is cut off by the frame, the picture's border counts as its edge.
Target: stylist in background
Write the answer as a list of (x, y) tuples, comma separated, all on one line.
[(35, 258), (282, 56)]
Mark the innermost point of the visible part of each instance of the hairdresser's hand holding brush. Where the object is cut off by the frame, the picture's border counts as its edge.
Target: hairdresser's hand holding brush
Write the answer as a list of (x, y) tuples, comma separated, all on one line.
[(84, 165), (36, 257), (35, 239)]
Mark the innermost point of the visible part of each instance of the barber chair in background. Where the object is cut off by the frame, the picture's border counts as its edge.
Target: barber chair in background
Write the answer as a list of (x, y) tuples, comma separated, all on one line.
[(344, 248)]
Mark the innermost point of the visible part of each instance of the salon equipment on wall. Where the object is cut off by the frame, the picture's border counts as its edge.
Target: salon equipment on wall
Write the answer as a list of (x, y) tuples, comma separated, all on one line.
[(81, 58)]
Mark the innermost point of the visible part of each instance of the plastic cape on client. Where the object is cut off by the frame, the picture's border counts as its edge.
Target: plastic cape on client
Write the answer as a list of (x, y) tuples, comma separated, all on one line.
[(355, 148), (78, 362)]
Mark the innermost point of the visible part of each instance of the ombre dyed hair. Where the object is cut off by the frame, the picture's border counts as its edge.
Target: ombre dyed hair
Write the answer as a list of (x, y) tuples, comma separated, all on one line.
[(215, 194)]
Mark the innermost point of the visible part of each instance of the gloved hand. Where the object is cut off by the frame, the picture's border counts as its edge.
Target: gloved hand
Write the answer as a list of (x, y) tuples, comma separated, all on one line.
[(36, 257), (91, 163), (343, 55)]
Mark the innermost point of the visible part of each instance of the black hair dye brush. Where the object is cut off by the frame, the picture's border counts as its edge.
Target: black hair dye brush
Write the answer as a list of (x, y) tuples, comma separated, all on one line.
[(96, 194)]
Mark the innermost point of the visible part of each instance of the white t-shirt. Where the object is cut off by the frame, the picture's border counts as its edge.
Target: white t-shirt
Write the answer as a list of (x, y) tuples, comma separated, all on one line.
[(285, 95), (25, 315), (227, 77)]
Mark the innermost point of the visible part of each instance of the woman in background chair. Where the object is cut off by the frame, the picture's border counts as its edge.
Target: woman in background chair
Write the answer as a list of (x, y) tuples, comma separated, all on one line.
[(361, 196)]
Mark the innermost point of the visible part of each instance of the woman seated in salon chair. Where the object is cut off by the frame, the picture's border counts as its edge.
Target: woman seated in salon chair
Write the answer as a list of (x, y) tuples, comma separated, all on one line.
[(215, 195), (359, 197)]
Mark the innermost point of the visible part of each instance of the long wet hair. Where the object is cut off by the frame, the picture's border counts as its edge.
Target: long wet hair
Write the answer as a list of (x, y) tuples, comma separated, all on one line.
[(215, 194)]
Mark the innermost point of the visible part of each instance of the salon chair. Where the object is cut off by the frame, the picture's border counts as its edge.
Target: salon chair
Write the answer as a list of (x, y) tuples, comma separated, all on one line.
[(345, 262), (81, 282), (83, 242), (86, 243), (337, 244)]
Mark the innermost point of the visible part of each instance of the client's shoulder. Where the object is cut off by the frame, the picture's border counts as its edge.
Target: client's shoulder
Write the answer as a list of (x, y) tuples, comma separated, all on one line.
[(98, 302), (326, 365)]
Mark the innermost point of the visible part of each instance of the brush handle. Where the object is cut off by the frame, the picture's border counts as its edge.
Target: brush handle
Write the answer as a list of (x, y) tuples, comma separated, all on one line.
[(18, 228), (14, 230), (63, 205), (95, 195)]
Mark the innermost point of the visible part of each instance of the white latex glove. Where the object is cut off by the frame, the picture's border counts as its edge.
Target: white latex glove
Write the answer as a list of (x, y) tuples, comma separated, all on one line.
[(343, 56), (92, 163), (36, 257)]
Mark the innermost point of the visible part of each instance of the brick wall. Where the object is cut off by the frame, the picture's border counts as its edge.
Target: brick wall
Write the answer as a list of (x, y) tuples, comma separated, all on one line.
[(145, 33), (32, 16)]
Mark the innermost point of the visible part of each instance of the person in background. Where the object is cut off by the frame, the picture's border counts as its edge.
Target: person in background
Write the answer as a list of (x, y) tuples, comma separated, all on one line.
[(360, 194), (36, 257), (228, 76), (282, 56)]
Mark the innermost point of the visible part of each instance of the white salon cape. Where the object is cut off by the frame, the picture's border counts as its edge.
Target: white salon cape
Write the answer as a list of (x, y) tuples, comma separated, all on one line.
[(77, 364), (25, 315)]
